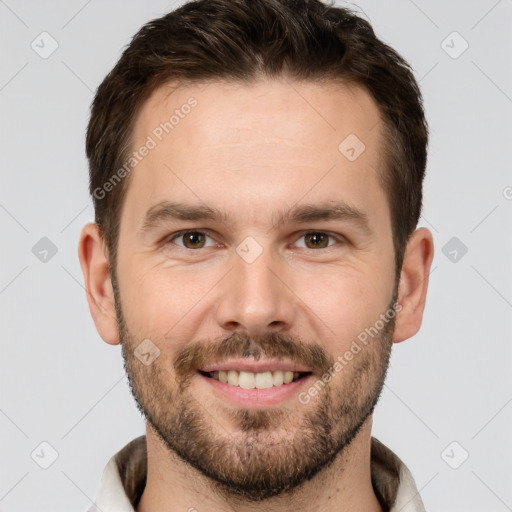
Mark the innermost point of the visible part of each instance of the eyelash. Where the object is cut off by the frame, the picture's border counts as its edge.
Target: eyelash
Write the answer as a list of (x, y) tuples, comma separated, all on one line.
[(168, 240)]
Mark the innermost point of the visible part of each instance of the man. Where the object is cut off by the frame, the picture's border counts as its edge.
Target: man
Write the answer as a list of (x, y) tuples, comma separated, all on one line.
[(256, 168)]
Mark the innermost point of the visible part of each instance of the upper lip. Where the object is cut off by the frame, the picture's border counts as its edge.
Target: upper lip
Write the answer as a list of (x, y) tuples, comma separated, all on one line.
[(255, 366)]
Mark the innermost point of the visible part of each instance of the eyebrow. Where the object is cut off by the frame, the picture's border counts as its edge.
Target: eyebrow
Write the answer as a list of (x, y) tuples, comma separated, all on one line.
[(328, 210), (167, 211)]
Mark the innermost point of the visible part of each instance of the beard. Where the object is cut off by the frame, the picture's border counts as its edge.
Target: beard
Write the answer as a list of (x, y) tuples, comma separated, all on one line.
[(265, 452)]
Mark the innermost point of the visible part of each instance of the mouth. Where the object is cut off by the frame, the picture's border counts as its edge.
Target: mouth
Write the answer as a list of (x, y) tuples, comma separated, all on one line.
[(252, 380), (254, 390), (251, 384)]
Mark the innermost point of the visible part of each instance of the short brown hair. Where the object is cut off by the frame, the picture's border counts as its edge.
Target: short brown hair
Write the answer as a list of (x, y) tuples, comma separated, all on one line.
[(246, 40)]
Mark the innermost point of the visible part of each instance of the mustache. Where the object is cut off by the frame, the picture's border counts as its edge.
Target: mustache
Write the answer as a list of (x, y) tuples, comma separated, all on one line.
[(237, 345)]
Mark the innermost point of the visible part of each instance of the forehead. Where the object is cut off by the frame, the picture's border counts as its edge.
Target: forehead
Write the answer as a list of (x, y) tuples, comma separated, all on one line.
[(233, 145), (302, 113)]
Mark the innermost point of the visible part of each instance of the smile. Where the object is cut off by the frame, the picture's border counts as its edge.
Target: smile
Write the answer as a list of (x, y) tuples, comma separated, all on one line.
[(250, 380)]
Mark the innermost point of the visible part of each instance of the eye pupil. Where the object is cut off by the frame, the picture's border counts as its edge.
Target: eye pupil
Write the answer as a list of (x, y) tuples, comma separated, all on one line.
[(315, 237), (192, 237)]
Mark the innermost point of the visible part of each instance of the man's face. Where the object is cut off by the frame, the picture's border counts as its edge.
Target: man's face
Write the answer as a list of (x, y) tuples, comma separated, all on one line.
[(263, 285)]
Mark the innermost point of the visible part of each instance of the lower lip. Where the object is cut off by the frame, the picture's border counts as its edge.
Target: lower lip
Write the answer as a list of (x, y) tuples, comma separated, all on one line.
[(255, 398)]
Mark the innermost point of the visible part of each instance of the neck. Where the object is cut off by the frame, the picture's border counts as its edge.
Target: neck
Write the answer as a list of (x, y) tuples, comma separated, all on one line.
[(174, 485)]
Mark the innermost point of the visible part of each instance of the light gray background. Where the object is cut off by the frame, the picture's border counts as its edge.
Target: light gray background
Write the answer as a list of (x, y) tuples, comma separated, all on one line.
[(60, 383)]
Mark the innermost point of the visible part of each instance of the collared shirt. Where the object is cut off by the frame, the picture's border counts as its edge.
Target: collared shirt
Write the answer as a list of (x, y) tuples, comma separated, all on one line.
[(124, 479)]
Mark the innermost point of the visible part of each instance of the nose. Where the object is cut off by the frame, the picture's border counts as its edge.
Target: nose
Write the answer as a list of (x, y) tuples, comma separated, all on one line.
[(256, 296)]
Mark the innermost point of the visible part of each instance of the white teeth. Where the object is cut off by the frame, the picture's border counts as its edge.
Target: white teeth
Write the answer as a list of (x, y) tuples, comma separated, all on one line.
[(278, 377), (246, 380), (264, 380), (232, 378), (249, 380), (287, 377)]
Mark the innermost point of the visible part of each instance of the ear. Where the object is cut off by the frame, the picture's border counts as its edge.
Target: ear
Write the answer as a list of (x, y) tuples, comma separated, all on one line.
[(412, 289), (94, 261)]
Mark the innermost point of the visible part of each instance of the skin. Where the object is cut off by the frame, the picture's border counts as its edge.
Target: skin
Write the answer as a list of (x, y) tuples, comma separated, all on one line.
[(281, 152)]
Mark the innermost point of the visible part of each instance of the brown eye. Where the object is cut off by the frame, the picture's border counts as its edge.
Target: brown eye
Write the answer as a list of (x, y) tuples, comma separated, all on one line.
[(193, 240), (190, 239), (317, 240)]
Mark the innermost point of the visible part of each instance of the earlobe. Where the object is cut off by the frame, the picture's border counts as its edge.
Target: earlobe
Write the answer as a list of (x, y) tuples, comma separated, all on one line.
[(98, 285), (412, 289)]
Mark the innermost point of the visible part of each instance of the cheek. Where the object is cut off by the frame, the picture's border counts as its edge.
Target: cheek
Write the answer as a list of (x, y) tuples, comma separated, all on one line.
[(342, 304), (165, 302)]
